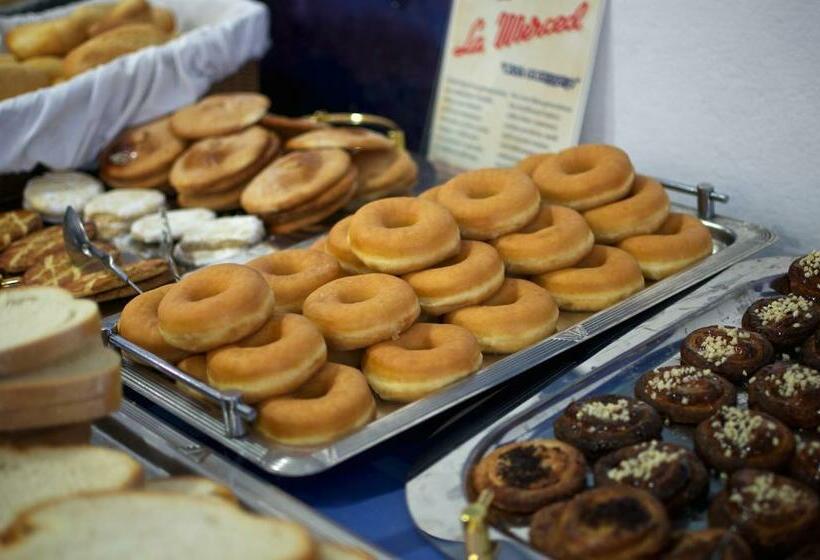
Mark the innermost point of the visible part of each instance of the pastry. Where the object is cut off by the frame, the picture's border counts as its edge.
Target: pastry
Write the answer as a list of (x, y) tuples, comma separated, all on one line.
[(219, 114), (420, 361), (338, 245), (114, 43), (139, 323), (531, 162), (735, 438), (27, 251), (343, 137), (385, 171), (331, 196), (288, 127), (218, 239), (526, 476), (17, 79), (732, 352), (599, 425), (16, 224), (51, 193), (148, 229), (810, 351), (51, 65), (789, 392), (685, 394), (146, 151), (54, 37), (642, 211), (303, 219), (124, 11), (710, 544), (103, 285), (57, 269), (786, 321), (805, 465), (804, 275), (605, 276), (218, 202), (113, 212)]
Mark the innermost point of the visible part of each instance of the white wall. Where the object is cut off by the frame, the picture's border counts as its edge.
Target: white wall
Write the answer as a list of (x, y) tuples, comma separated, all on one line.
[(726, 92)]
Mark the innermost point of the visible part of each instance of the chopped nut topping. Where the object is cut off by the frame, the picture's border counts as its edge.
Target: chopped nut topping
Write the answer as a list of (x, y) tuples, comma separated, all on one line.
[(735, 429), (782, 308), (797, 379), (764, 496), (617, 411), (642, 465), (717, 349), (813, 446), (811, 264), (675, 377)]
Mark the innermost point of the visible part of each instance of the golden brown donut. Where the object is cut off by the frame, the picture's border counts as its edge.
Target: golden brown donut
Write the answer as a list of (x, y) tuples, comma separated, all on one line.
[(468, 278), (215, 306), (431, 193), (516, 316), (358, 311), (338, 245), (643, 211), (585, 176), (526, 476), (403, 234), (557, 238), (333, 403), (681, 241), (293, 274), (531, 162), (272, 361), (422, 360), (139, 324), (604, 277), (219, 114), (488, 203)]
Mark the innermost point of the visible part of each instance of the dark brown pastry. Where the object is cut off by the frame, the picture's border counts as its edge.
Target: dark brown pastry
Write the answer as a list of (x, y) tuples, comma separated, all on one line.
[(804, 275), (735, 438), (805, 465), (808, 552), (810, 351), (781, 284), (790, 392), (786, 321), (671, 473), (774, 514), (526, 476), (710, 544), (685, 394), (731, 352), (612, 522)]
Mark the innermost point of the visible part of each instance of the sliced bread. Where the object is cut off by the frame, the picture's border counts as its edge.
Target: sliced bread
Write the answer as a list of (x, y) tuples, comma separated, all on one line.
[(138, 525), (192, 485), (42, 324), (62, 414), (35, 475)]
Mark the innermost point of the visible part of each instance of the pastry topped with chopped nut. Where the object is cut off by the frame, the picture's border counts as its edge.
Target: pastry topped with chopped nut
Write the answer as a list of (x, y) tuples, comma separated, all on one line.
[(732, 352), (786, 321), (804, 275), (790, 392), (685, 394), (805, 465)]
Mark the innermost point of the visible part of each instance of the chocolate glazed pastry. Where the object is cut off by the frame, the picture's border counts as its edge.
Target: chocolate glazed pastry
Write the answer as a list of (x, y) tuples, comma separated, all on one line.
[(774, 514), (685, 394), (810, 351), (671, 473), (731, 352), (781, 285), (526, 476), (786, 321), (804, 276), (710, 544), (735, 438), (790, 392), (805, 465), (598, 425), (611, 522)]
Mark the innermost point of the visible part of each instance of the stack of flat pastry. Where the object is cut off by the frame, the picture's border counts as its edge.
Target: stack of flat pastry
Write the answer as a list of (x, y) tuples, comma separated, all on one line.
[(301, 189), (288, 127), (388, 172), (343, 137)]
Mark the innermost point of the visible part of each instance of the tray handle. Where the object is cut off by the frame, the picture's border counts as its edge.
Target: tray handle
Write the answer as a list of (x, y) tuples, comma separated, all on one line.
[(707, 196), (394, 131), (477, 543), (235, 413)]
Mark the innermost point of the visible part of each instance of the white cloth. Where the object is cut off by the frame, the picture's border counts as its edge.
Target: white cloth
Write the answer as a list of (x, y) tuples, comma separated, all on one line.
[(65, 126)]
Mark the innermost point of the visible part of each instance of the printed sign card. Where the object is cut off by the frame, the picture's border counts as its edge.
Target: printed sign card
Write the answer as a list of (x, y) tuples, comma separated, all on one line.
[(513, 80)]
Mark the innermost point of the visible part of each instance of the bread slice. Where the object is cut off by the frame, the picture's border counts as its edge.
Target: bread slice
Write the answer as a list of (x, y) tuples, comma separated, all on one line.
[(192, 485), (35, 475), (62, 414), (69, 434), (139, 525), (42, 324)]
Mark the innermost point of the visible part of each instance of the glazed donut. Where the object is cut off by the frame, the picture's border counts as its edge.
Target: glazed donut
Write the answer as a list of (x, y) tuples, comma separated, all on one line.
[(403, 234), (681, 241), (488, 203), (530, 163), (517, 315), (643, 211), (334, 402), (274, 360), (557, 238), (584, 177), (293, 274), (139, 324), (358, 311), (603, 278), (468, 278), (337, 244), (215, 306), (431, 193), (422, 360)]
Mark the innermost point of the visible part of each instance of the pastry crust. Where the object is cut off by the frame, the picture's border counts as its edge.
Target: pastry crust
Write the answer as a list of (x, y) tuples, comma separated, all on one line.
[(805, 464), (139, 324), (732, 352), (16, 224), (804, 276), (786, 321), (219, 114), (789, 392), (685, 394), (294, 274), (710, 544)]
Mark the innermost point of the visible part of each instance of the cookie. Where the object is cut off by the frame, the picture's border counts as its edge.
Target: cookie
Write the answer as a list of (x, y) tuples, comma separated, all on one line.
[(16, 224), (344, 137), (51, 193), (219, 114), (114, 211), (141, 152), (148, 229)]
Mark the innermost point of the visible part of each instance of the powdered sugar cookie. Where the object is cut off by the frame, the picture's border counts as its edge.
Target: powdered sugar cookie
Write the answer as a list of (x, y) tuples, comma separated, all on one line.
[(148, 229), (50, 194), (113, 212)]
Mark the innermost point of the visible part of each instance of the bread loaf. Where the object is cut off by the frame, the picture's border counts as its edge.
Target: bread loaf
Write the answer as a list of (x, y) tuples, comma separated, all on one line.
[(44, 38), (111, 44)]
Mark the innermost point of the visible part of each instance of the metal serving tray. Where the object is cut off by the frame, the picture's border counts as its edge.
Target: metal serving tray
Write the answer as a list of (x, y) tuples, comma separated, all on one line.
[(436, 496), (164, 451), (733, 240)]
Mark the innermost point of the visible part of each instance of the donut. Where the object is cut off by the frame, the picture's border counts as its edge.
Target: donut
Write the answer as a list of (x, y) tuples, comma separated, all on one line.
[(530, 163), (557, 238), (431, 193), (517, 315), (403, 234), (643, 211), (215, 306), (358, 311), (139, 324), (338, 245), (422, 360), (274, 360), (216, 115), (682, 240), (334, 402), (468, 278), (293, 274), (488, 203), (603, 278), (585, 177)]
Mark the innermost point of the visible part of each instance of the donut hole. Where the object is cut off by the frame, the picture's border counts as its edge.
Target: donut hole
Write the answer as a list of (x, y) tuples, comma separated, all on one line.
[(481, 191), (349, 297), (575, 165), (316, 388), (417, 343), (506, 296), (283, 268), (542, 220), (202, 292), (397, 221)]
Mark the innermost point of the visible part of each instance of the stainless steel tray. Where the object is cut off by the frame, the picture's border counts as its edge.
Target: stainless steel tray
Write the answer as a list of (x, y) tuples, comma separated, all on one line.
[(164, 451), (436, 496)]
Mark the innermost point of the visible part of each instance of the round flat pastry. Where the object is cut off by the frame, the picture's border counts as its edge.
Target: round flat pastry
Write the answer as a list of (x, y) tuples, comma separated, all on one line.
[(156, 181), (141, 151), (789, 392), (786, 321), (114, 211), (148, 229), (809, 352), (804, 276), (220, 114), (51, 193), (710, 544), (344, 137), (805, 465), (218, 201), (288, 127), (731, 352), (685, 394), (383, 169), (330, 196)]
